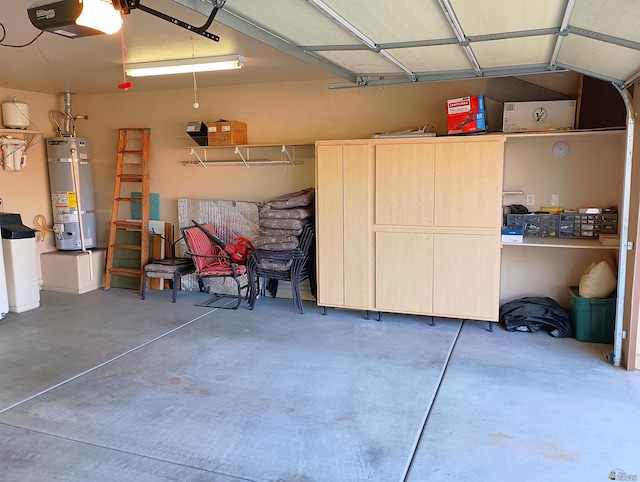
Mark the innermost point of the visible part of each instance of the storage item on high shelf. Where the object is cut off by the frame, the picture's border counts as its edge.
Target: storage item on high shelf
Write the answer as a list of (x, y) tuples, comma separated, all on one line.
[(565, 225), (539, 115), (475, 113), (227, 133), (197, 130), (71, 182), (132, 167)]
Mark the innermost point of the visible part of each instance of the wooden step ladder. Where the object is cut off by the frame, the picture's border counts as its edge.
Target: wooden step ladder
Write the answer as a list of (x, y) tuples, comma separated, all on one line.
[(132, 167)]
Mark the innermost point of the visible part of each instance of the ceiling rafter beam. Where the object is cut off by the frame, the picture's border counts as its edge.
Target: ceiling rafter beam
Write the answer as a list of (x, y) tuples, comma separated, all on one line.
[(630, 44), (515, 34), (436, 42), (444, 76), (463, 41), (590, 73), (345, 24), (383, 46), (564, 25)]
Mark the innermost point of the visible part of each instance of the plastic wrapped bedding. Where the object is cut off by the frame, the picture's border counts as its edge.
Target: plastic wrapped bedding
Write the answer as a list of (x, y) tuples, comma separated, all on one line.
[(277, 242), (291, 200), (295, 213), (283, 223), (280, 232), (275, 264)]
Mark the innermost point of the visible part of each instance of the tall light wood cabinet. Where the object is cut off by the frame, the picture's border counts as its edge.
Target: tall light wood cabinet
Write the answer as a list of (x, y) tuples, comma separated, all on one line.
[(410, 225), (343, 216)]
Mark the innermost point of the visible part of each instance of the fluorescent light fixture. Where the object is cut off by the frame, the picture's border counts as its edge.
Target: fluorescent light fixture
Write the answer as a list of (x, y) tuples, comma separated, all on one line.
[(183, 66)]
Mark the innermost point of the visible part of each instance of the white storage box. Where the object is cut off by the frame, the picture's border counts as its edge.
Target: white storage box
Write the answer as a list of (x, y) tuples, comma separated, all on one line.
[(537, 116), (512, 235), (72, 271)]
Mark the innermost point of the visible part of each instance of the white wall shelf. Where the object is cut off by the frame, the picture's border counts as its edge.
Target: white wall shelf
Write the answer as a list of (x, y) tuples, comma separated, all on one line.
[(20, 133), (245, 155), (578, 243), (524, 136)]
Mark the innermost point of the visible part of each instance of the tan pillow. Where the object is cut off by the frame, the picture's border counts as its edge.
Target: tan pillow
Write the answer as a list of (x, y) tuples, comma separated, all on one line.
[(598, 281)]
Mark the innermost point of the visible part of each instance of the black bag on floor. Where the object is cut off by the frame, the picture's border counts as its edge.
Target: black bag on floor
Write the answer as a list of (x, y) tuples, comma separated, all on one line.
[(533, 313)]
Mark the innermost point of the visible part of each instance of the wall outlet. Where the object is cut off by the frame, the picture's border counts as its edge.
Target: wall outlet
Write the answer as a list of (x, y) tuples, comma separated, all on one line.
[(531, 199), (555, 199)]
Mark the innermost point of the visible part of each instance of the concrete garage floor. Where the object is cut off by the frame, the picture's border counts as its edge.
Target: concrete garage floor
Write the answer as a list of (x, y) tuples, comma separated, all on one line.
[(106, 387)]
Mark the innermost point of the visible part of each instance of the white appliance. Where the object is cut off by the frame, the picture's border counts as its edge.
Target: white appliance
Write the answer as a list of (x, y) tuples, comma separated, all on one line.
[(15, 115), (20, 263), (4, 300), (13, 154)]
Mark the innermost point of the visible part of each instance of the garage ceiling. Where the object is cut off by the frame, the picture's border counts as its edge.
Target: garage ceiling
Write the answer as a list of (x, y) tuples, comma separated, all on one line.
[(399, 41), (373, 42)]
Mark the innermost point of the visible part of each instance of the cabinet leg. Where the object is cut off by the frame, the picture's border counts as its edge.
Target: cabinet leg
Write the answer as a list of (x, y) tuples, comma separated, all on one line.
[(366, 316), (433, 321), (490, 325), (324, 311), (379, 316)]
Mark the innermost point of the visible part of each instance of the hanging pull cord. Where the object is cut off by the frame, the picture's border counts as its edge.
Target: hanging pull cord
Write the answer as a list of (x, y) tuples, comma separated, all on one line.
[(125, 85)]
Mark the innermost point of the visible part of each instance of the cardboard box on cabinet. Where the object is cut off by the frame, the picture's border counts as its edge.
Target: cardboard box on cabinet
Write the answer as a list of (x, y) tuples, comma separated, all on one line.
[(539, 115), (471, 114)]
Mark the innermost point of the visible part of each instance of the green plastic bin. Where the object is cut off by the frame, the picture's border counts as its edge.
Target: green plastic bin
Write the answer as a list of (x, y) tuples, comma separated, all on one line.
[(592, 319)]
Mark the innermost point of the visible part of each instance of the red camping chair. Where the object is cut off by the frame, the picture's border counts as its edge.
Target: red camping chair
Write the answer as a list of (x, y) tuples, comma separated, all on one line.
[(211, 261)]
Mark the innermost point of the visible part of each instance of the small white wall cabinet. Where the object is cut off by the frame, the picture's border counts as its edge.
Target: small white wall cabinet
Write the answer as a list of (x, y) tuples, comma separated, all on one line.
[(410, 225)]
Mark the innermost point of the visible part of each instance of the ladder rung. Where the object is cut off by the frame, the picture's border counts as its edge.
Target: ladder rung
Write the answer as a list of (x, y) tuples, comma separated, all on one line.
[(127, 246), (130, 199), (128, 224), (126, 151), (126, 272), (130, 177)]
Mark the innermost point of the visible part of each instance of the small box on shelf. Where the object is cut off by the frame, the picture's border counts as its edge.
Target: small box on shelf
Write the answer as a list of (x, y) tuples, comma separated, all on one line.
[(227, 133), (512, 235)]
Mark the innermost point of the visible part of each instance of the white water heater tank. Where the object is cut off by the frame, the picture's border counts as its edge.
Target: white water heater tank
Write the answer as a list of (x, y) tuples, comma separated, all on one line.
[(15, 115)]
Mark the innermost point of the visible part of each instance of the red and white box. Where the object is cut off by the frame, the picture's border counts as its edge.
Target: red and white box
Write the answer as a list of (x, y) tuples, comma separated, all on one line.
[(474, 113)]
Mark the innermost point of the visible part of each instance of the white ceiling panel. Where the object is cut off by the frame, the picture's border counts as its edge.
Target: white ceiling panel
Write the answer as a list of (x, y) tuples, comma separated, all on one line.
[(293, 20), (515, 51), (432, 59), (620, 18), (361, 62), (591, 56), (455, 37), (428, 40), (493, 16), (396, 21)]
